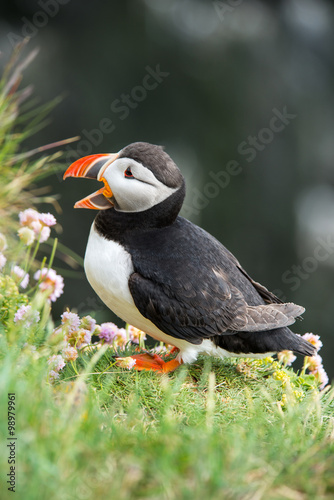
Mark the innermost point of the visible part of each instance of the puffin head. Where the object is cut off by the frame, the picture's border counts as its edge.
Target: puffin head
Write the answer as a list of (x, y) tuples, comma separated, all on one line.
[(135, 179)]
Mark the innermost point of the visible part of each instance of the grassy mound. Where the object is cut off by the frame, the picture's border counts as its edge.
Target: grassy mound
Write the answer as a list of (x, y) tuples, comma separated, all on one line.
[(211, 430)]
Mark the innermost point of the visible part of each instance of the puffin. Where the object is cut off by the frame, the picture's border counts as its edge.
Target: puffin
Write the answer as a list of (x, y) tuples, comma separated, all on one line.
[(168, 277)]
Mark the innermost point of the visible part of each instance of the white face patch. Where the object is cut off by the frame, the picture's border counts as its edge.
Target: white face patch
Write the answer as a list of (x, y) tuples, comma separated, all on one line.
[(137, 193)]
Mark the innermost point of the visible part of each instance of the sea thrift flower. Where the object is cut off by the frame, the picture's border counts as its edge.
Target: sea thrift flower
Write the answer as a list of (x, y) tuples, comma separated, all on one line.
[(127, 362), (3, 260), (108, 332), (79, 338), (322, 377), (23, 276), (26, 314), (36, 226), (70, 320), (135, 335), (51, 283), (53, 376), (121, 336), (47, 219), (286, 357), (69, 353), (88, 323), (56, 362), (97, 330), (39, 223), (44, 234), (26, 235), (86, 336), (314, 363), (28, 216), (3, 242), (313, 339)]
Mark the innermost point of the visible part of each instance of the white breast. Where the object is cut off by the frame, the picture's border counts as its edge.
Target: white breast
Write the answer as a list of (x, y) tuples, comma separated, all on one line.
[(108, 267)]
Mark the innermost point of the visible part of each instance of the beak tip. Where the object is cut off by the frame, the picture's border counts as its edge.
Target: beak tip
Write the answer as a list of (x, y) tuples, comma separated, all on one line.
[(66, 175)]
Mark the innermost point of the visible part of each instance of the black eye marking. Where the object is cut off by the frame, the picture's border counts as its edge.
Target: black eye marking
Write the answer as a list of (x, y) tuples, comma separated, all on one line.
[(128, 173)]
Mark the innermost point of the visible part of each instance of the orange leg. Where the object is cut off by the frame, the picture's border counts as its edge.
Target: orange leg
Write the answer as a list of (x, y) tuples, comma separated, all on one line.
[(155, 363)]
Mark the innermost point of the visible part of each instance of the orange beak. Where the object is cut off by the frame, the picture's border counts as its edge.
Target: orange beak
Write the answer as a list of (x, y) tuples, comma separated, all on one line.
[(93, 167)]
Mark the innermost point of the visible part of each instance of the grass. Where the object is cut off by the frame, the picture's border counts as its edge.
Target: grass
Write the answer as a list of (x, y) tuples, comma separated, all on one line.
[(20, 118), (206, 431), (232, 430)]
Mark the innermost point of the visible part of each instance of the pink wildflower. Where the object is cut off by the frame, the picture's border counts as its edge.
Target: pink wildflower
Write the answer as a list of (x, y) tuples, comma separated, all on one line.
[(88, 323), (51, 283), (53, 376), (56, 362), (108, 332), (286, 357), (28, 216), (87, 336), (70, 320), (322, 377), (126, 362), (36, 226), (44, 234), (39, 223), (314, 363), (313, 339), (3, 260), (23, 276), (47, 219), (135, 334), (315, 366), (69, 353), (79, 338), (120, 337), (26, 314)]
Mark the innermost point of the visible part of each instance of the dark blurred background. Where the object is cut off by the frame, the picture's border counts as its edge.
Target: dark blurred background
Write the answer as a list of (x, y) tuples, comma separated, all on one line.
[(241, 95)]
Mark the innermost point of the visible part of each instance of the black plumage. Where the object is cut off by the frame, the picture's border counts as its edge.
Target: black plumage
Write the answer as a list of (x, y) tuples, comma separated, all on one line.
[(186, 282)]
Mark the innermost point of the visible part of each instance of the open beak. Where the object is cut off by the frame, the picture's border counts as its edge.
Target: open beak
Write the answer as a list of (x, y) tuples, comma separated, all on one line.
[(93, 167)]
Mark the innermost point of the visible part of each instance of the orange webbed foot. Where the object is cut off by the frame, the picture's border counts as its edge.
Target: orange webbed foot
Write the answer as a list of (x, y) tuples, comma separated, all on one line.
[(153, 362)]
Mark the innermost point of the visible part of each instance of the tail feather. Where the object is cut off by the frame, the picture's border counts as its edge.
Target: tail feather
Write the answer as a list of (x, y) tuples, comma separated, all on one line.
[(304, 347), (279, 339)]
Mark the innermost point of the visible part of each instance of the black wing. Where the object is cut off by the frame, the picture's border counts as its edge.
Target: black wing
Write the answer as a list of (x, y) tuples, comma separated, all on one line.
[(193, 288), (186, 312)]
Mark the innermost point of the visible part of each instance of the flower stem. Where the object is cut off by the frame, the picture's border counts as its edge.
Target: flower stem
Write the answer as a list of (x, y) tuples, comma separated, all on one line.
[(53, 253), (34, 253)]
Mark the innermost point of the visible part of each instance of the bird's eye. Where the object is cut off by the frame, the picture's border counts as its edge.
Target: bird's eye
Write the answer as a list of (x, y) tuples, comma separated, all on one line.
[(128, 173)]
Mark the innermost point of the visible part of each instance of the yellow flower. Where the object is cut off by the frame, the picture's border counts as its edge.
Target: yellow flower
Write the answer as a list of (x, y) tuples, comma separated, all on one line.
[(299, 395), (283, 402)]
